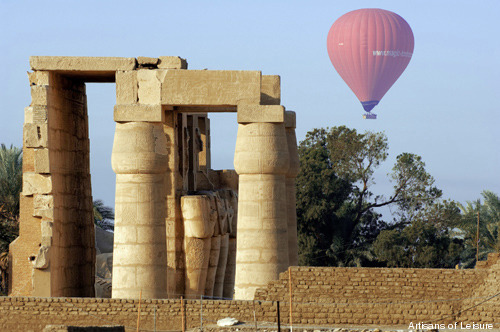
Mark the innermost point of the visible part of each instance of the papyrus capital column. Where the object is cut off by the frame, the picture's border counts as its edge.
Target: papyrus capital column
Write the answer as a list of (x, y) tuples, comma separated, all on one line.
[(261, 160), (293, 171), (139, 160)]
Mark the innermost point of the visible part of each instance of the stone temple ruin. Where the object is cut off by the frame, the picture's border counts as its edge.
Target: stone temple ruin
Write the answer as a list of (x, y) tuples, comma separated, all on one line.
[(181, 228)]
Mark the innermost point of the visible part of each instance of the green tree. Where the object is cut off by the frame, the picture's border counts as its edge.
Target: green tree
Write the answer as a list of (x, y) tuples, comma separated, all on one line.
[(489, 223), (426, 242), (10, 188), (355, 157), (11, 162), (337, 222), (320, 195)]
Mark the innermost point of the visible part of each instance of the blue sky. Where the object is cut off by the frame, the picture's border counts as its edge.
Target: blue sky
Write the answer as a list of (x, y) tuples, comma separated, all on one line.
[(444, 107)]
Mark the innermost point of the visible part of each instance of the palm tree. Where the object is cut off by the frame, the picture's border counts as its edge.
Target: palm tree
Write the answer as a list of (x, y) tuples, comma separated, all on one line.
[(489, 223), (11, 170), (11, 161)]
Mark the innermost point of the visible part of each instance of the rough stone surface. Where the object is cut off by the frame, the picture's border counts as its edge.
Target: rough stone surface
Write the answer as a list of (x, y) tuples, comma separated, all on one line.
[(140, 160), (261, 113), (270, 90), (293, 171), (214, 87), (126, 87), (36, 184), (172, 62), (261, 161), (138, 112), (147, 61), (80, 63)]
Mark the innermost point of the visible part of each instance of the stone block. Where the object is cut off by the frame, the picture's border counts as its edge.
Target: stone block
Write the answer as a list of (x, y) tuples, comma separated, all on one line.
[(149, 91), (36, 184), (35, 135), (42, 164), (126, 87), (270, 90), (35, 114), (28, 159), (172, 62), (43, 206), (39, 95), (42, 258), (211, 87), (290, 121), (261, 113), (227, 179), (46, 228), (81, 63), (144, 61), (139, 112), (39, 77)]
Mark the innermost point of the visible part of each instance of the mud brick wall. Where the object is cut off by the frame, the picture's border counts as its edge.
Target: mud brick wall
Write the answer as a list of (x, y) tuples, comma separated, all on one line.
[(483, 292), (321, 297), (28, 313), (54, 254), (388, 296)]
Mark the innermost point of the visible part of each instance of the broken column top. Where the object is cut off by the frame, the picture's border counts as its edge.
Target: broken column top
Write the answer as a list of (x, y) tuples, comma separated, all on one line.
[(101, 69)]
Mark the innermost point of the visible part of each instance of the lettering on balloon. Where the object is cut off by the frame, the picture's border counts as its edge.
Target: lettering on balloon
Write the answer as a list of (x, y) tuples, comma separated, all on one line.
[(393, 53)]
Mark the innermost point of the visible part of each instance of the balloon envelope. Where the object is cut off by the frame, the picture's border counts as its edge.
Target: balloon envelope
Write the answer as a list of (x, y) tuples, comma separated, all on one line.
[(370, 48)]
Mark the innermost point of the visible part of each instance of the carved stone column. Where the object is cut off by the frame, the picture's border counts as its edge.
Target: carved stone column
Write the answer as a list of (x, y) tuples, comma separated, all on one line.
[(261, 160), (198, 230), (139, 160), (293, 171), (224, 244)]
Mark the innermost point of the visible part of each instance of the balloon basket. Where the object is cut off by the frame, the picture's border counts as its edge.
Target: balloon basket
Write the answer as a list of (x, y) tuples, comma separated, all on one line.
[(369, 116)]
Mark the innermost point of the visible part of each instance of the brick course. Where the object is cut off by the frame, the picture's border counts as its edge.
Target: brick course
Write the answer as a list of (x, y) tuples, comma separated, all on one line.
[(321, 297)]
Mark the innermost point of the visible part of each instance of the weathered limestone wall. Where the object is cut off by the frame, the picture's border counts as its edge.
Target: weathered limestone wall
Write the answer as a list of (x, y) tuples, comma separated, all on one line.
[(54, 254)]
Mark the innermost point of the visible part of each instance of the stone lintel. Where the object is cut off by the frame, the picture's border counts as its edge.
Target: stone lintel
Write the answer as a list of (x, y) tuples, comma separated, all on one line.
[(139, 112), (87, 69), (270, 90), (203, 109), (211, 87), (261, 113), (81, 63), (172, 62), (290, 121)]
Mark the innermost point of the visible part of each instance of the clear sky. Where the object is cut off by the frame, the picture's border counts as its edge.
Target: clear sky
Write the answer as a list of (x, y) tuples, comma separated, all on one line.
[(444, 107)]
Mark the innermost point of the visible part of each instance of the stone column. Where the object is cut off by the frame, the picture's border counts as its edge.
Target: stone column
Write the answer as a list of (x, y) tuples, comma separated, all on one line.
[(198, 230), (224, 244), (228, 291), (139, 160), (261, 160), (293, 171)]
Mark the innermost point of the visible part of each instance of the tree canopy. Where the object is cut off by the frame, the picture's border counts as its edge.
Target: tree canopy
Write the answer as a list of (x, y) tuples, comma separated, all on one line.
[(338, 224)]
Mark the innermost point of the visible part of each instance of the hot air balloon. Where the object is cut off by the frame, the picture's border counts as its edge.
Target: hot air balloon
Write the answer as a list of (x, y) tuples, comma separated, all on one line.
[(370, 48)]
